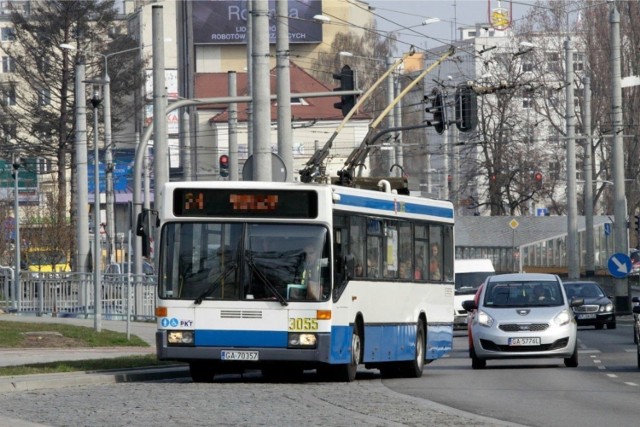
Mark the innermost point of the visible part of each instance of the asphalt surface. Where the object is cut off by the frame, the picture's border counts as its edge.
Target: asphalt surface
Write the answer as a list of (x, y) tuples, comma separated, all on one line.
[(24, 383)]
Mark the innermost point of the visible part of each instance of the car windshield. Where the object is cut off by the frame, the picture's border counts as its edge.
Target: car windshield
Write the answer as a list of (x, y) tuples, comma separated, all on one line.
[(583, 290), (523, 294), (468, 283)]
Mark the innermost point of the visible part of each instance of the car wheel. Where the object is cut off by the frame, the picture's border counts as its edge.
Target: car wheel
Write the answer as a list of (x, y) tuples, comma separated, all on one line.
[(599, 325), (476, 362), (202, 371), (572, 362), (611, 325), (413, 368)]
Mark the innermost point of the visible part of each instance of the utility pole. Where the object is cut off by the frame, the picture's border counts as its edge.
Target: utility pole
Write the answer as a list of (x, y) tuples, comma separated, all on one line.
[(588, 178), (233, 129), (622, 290), (573, 261), (82, 178), (389, 160), (108, 168), (97, 252), (160, 145), (261, 92), (285, 145)]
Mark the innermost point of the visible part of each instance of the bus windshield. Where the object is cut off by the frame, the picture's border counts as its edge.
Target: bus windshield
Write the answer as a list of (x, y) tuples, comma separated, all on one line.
[(244, 261)]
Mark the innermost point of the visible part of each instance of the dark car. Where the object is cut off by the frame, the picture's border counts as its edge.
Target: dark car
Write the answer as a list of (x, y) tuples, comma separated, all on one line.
[(598, 309)]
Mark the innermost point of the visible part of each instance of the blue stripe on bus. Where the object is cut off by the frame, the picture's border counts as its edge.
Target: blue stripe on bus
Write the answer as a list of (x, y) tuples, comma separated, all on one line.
[(439, 340), (383, 343), (391, 206), (217, 338)]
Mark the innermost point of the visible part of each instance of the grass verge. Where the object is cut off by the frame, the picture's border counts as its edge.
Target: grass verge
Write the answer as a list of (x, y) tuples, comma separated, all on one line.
[(54, 335), (128, 362)]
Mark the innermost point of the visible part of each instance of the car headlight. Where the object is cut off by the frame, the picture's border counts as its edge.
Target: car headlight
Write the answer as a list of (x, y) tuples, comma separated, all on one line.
[(180, 337), (484, 319), (302, 340), (563, 318), (606, 308)]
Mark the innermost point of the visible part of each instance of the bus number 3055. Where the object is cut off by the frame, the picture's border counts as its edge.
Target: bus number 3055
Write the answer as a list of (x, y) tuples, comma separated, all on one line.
[(303, 324)]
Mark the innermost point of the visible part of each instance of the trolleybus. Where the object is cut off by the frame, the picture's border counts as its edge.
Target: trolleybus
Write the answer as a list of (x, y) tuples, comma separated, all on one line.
[(288, 277)]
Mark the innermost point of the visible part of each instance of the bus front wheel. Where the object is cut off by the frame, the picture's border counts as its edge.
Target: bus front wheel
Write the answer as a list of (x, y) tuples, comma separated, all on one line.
[(345, 372), (414, 368)]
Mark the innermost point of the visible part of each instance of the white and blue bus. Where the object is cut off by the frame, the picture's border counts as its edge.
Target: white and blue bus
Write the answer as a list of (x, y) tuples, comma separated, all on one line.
[(237, 292)]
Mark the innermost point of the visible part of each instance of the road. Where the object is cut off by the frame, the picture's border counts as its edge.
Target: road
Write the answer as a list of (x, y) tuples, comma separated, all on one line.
[(603, 390)]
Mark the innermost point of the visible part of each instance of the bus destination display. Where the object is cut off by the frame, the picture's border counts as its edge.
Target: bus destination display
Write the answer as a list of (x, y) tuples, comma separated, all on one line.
[(197, 202)]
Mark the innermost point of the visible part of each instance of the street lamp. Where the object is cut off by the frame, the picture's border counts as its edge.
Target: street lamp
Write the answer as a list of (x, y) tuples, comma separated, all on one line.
[(16, 276), (97, 288)]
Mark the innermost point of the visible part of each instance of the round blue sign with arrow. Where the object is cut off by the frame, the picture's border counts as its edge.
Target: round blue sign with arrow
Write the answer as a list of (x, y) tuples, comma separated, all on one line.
[(619, 265)]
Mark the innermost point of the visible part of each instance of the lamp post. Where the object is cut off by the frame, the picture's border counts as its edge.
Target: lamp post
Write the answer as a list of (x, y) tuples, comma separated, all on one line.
[(97, 288), (16, 277)]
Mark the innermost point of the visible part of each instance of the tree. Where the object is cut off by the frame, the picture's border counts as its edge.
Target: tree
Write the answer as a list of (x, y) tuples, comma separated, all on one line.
[(39, 119)]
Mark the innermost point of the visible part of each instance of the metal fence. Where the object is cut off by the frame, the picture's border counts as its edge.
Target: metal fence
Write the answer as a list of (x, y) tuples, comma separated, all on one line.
[(73, 295)]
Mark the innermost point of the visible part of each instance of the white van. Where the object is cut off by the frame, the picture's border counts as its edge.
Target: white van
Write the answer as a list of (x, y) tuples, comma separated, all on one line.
[(469, 275)]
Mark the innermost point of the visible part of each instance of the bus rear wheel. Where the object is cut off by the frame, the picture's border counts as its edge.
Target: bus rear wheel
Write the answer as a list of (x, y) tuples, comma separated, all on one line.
[(202, 371)]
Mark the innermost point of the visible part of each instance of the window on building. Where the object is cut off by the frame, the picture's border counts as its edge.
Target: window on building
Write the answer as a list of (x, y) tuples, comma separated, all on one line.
[(44, 97), (527, 67), (553, 62), (8, 34), (9, 95), (578, 61), (8, 64)]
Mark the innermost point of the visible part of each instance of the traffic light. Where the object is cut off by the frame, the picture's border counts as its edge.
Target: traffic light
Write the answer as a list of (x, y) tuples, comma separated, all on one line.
[(224, 166), (466, 108), (439, 112), (347, 102), (538, 179)]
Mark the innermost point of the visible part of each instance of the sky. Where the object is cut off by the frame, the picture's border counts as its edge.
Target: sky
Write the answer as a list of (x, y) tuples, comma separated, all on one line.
[(396, 15)]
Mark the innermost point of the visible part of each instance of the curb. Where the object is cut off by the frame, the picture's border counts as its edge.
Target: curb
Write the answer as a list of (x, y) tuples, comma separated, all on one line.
[(48, 381)]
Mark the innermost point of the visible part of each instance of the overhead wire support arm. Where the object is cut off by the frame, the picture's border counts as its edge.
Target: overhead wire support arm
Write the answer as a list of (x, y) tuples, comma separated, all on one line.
[(312, 167), (358, 155)]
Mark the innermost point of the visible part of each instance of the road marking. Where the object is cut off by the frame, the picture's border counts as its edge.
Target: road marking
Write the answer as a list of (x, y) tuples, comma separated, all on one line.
[(602, 368), (631, 384), (612, 375), (587, 351)]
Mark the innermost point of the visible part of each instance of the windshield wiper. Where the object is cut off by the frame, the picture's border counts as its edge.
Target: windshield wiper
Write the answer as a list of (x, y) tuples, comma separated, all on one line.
[(216, 282), (265, 281)]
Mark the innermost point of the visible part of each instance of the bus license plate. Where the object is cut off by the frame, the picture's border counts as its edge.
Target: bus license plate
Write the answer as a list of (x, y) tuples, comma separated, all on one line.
[(524, 341), (249, 356)]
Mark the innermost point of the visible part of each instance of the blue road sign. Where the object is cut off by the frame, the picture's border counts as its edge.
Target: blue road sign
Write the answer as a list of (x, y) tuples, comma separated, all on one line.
[(619, 265), (607, 229)]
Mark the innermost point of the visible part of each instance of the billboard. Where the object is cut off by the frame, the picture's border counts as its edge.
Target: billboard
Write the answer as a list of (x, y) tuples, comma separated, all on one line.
[(27, 181), (225, 22), (123, 168)]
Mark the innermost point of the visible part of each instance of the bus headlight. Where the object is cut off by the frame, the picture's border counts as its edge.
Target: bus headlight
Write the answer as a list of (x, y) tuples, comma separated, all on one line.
[(302, 340), (180, 337)]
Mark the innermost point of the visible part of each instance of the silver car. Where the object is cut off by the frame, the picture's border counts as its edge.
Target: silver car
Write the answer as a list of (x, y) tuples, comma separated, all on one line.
[(525, 315)]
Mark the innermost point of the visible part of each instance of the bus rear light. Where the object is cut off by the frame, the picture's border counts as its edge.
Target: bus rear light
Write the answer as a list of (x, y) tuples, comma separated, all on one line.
[(161, 311), (302, 340), (180, 337), (323, 314)]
